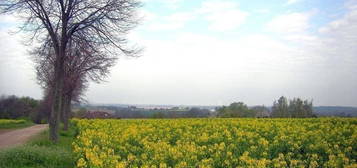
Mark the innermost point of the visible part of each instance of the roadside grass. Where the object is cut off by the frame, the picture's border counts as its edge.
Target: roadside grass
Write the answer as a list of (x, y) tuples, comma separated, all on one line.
[(22, 124), (40, 152)]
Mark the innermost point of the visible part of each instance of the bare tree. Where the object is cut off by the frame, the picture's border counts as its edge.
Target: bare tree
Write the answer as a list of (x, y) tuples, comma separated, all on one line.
[(102, 24), (82, 64), (85, 63)]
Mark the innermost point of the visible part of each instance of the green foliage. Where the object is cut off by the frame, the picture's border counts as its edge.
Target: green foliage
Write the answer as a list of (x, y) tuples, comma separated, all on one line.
[(158, 115), (41, 153), (197, 113), (12, 107), (300, 108), (280, 108), (295, 108), (261, 111), (236, 110)]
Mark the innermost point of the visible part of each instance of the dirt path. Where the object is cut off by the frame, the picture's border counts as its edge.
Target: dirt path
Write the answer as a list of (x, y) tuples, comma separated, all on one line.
[(20, 136)]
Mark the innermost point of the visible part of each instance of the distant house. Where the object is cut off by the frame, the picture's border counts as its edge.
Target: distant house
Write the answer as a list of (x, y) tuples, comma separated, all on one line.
[(97, 114)]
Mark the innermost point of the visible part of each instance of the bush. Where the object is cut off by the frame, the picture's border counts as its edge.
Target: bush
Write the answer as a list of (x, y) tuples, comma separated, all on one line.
[(12, 107)]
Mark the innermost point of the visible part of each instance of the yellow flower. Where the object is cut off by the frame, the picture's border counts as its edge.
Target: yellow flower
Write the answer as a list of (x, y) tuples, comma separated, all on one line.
[(81, 163), (188, 142)]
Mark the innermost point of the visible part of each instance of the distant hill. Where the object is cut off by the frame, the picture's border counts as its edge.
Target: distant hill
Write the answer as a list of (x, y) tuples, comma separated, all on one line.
[(339, 111)]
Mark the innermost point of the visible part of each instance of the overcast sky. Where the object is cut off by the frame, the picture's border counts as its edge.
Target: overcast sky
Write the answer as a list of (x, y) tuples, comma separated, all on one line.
[(214, 52)]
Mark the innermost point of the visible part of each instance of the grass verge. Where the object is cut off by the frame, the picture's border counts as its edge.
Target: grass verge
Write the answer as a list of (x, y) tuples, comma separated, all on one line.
[(16, 125), (41, 153)]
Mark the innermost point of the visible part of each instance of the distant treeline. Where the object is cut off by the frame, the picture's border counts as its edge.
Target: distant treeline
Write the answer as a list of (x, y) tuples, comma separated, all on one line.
[(13, 107), (295, 108), (239, 109), (284, 108), (134, 112)]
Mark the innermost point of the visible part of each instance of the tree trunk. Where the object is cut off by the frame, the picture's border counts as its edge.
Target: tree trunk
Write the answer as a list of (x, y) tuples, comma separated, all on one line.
[(55, 113), (63, 108), (67, 112), (57, 104)]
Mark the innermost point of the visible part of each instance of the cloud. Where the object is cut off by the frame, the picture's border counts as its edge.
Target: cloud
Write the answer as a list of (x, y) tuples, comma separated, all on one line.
[(339, 37), (343, 26), (290, 23), (173, 4), (172, 22), (222, 15), (351, 4), (7, 21), (294, 27), (201, 69), (204, 69), (290, 2), (146, 16), (334, 50), (262, 11)]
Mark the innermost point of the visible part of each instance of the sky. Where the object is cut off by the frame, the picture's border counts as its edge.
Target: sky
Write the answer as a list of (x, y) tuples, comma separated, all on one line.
[(215, 52)]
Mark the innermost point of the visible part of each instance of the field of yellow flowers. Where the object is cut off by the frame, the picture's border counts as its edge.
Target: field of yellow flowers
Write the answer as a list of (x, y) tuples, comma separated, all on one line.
[(323, 142)]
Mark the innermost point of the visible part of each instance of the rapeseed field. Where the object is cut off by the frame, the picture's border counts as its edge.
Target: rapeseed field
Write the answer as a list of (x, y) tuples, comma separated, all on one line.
[(204, 143)]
